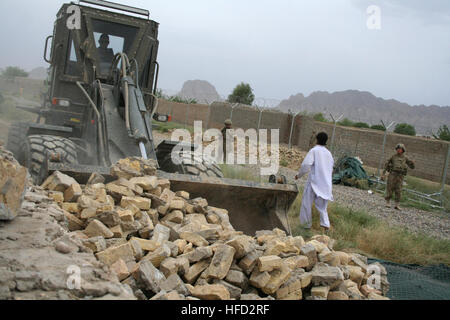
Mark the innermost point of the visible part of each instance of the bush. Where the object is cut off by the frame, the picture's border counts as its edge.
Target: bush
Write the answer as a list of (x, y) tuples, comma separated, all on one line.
[(404, 128), (243, 93), (182, 100), (284, 163), (346, 123), (1, 98), (378, 127), (361, 125), (320, 117), (160, 95)]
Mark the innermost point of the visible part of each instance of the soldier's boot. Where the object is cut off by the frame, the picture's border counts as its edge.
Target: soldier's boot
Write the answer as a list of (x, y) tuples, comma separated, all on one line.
[(397, 206), (388, 203)]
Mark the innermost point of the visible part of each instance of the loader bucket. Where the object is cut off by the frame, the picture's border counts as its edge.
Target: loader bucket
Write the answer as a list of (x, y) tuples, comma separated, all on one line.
[(251, 206)]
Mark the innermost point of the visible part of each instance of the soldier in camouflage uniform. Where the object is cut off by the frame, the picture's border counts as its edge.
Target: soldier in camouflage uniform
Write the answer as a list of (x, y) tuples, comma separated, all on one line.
[(397, 166), (228, 125)]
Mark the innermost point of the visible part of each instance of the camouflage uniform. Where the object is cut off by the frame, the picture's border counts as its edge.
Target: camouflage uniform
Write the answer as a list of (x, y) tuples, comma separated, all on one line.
[(397, 166)]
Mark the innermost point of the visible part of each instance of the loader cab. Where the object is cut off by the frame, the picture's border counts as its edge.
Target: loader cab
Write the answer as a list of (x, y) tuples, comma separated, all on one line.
[(110, 39), (85, 40)]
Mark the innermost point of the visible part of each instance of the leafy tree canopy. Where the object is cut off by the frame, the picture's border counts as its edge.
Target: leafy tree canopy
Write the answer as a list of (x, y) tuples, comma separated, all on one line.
[(361, 125), (443, 133), (320, 117), (404, 128), (243, 93), (346, 122), (12, 72), (378, 127)]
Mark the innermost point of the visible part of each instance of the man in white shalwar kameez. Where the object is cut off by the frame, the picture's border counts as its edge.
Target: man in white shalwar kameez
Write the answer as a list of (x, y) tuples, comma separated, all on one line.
[(319, 162)]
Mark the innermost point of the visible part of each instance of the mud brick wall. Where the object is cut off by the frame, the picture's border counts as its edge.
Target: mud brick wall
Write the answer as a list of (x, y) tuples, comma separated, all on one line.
[(428, 155), (276, 120), (302, 132), (219, 113), (246, 117), (185, 113)]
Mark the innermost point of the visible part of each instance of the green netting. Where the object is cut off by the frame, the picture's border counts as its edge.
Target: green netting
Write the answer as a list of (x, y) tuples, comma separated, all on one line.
[(349, 171), (414, 282)]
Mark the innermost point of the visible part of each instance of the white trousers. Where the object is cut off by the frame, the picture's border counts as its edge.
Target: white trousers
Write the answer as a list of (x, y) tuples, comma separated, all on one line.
[(309, 197)]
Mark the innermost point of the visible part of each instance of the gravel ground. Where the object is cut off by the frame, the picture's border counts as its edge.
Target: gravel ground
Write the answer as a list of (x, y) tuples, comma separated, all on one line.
[(431, 223)]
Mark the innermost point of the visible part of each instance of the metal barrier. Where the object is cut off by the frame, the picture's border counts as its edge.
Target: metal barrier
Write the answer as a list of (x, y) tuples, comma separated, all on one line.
[(386, 129), (435, 200), (232, 109), (335, 121), (292, 127)]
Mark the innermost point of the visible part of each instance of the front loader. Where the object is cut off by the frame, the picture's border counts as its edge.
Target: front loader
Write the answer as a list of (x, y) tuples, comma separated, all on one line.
[(100, 107)]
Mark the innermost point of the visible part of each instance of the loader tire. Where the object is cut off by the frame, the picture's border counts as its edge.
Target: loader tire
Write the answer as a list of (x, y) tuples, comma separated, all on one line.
[(195, 167), (35, 150), (17, 134)]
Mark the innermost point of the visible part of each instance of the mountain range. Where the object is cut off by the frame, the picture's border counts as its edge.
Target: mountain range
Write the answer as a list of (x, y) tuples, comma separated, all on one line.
[(358, 106), (363, 106), (200, 90)]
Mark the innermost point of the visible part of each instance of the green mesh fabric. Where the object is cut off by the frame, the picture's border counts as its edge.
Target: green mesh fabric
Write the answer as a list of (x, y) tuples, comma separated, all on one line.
[(349, 171), (414, 282)]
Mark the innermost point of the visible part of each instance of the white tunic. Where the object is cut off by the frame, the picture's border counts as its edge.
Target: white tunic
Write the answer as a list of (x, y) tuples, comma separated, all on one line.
[(320, 161)]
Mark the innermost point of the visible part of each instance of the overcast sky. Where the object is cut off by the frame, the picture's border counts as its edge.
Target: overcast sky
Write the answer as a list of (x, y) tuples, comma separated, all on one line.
[(281, 47)]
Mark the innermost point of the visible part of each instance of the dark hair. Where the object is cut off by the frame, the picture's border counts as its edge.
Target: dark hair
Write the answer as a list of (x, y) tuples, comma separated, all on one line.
[(322, 139), (104, 36)]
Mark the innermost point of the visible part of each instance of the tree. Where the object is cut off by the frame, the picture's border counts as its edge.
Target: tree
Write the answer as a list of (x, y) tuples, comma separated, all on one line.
[(361, 125), (12, 72), (404, 128), (378, 127), (443, 133), (243, 93)]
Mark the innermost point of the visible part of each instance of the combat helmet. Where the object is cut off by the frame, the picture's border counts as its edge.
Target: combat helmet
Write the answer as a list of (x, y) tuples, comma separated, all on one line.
[(400, 146)]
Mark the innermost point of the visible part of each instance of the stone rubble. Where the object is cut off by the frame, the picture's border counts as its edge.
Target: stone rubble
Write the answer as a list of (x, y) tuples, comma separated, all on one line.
[(169, 246), (13, 183), (164, 245)]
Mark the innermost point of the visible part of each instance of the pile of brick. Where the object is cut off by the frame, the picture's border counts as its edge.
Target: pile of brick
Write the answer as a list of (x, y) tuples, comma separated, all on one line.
[(291, 158), (167, 246)]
